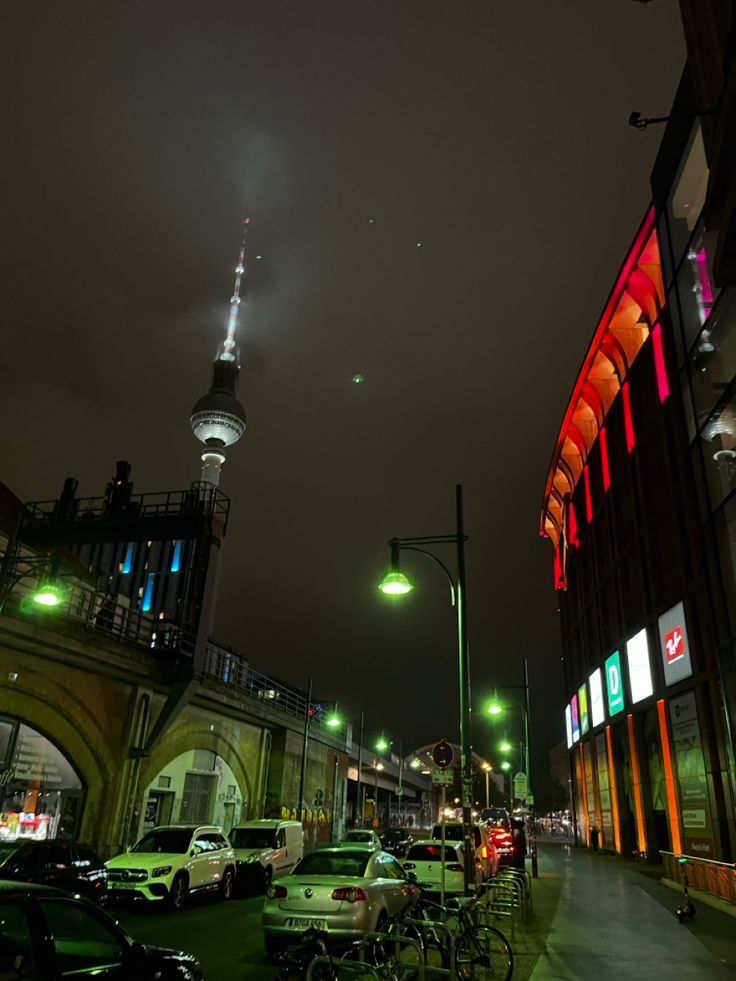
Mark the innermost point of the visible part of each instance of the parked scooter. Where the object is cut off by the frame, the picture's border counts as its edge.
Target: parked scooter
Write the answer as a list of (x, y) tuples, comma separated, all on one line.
[(686, 909)]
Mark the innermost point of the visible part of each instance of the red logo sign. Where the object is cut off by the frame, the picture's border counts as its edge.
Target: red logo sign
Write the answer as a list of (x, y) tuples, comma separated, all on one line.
[(674, 644)]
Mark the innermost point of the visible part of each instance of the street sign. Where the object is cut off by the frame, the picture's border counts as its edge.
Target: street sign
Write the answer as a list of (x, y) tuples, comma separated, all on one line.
[(520, 785), (399, 791), (442, 754), (530, 800), (444, 777)]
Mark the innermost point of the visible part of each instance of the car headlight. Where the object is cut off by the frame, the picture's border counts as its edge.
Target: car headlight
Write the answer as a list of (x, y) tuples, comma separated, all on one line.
[(161, 870)]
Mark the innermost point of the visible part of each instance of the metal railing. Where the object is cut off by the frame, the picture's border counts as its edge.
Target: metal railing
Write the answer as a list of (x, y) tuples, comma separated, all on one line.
[(715, 878)]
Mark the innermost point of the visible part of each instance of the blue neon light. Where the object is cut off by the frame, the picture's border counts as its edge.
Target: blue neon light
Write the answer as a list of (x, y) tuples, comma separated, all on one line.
[(128, 563), (148, 595), (176, 558)]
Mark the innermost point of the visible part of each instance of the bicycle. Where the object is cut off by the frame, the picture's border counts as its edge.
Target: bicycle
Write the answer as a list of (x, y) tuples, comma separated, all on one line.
[(476, 953), (293, 963)]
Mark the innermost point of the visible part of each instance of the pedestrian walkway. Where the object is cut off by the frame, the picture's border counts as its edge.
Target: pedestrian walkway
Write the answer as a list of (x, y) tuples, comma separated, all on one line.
[(612, 923)]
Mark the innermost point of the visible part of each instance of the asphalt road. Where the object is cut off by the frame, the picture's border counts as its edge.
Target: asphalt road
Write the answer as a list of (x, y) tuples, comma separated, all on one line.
[(226, 937)]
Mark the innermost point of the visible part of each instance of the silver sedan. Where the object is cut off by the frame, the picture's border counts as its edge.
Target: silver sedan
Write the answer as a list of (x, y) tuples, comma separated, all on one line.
[(346, 891)]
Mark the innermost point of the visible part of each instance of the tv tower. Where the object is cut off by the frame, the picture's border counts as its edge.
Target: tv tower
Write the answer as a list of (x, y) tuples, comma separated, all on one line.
[(218, 419)]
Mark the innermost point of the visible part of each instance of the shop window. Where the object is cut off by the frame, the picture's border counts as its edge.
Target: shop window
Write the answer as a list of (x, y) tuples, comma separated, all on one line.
[(688, 194), (725, 535), (695, 286), (719, 449), (42, 794), (713, 359)]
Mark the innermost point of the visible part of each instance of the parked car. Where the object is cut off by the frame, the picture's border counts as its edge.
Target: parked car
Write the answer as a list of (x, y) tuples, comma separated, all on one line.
[(424, 859), (170, 863), (345, 891), (363, 836), (67, 865), (396, 841), (48, 935), (267, 848), (486, 854), (499, 827)]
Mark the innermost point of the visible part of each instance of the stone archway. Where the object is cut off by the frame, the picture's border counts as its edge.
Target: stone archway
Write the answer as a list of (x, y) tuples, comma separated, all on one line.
[(68, 722)]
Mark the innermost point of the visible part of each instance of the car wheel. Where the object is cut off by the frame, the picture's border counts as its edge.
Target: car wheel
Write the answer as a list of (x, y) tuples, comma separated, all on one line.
[(267, 876), (228, 884), (179, 892)]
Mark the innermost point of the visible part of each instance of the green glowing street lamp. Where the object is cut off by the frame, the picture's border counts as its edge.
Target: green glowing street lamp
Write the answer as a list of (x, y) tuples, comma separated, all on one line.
[(382, 744), (48, 595), (494, 709), (505, 746), (334, 721), (395, 583), (505, 765)]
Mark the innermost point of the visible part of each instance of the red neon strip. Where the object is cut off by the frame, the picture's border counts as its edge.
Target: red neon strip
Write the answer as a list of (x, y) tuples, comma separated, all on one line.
[(588, 498), (663, 386), (604, 458), (628, 418), (559, 581), (573, 536)]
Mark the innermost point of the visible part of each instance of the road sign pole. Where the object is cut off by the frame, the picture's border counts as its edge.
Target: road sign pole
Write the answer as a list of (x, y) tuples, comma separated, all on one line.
[(443, 804)]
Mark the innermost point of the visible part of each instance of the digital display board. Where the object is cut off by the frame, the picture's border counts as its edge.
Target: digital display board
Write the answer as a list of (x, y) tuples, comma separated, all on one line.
[(568, 725), (575, 719), (583, 706), (640, 672), (597, 709), (614, 684), (674, 645)]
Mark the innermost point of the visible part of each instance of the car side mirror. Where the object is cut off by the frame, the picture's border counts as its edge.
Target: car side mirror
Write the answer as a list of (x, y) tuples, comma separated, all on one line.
[(196, 850)]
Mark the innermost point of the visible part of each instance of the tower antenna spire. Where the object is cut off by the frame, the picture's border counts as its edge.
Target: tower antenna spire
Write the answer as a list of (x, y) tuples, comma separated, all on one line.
[(218, 419), (228, 348)]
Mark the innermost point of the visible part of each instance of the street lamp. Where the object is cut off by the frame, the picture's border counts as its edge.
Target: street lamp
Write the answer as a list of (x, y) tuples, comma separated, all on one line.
[(487, 767), (397, 584)]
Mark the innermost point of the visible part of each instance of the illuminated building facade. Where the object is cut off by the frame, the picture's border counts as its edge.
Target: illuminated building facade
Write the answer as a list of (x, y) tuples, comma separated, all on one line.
[(640, 508)]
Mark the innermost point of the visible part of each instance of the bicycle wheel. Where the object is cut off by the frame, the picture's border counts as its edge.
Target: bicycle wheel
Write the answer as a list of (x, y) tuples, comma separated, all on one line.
[(484, 954)]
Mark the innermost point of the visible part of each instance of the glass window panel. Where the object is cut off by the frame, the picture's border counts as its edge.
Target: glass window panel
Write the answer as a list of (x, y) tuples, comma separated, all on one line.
[(713, 359), (719, 449), (82, 942), (16, 958), (664, 249), (687, 404), (688, 193), (695, 285)]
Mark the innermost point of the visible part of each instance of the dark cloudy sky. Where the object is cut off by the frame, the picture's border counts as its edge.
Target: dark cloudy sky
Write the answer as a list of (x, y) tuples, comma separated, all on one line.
[(135, 138)]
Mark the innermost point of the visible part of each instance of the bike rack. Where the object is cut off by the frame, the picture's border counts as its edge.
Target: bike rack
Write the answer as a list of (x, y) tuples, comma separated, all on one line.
[(417, 970), (352, 967), (425, 926)]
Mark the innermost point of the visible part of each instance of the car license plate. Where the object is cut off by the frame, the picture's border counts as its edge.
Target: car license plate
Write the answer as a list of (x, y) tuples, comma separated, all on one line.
[(123, 885), (305, 922)]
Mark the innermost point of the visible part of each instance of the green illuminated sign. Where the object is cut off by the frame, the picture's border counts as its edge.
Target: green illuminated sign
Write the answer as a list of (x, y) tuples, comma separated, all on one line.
[(614, 684)]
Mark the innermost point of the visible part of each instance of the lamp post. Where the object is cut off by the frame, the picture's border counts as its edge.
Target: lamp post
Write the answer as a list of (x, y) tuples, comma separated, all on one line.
[(396, 583), (378, 766), (487, 767)]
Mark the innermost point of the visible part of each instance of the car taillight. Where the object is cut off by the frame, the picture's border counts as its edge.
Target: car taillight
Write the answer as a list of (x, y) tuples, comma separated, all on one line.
[(350, 894), (276, 892), (455, 867)]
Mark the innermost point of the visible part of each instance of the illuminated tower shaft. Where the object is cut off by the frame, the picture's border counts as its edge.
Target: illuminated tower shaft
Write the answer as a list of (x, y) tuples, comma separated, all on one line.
[(218, 419), (232, 324)]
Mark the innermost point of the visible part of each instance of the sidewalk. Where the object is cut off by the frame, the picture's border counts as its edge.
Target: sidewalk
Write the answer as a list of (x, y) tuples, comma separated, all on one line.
[(597, 917)]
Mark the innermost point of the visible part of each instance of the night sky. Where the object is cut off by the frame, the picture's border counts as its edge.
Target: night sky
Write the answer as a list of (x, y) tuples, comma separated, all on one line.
[(441, 193)]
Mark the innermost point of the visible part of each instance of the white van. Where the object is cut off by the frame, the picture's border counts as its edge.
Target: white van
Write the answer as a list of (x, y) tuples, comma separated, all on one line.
[(268, 847)]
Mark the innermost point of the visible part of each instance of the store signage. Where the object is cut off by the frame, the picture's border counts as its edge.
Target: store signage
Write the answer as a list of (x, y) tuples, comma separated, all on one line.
[(597, 709), (614, 684), (583, 705), (568, 725), (520, 785), (674, 645), (575, 719), (640, 673)]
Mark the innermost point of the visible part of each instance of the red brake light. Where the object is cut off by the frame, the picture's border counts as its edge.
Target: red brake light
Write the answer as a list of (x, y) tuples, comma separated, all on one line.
[(350, 894), (455, 867), (276, 892)]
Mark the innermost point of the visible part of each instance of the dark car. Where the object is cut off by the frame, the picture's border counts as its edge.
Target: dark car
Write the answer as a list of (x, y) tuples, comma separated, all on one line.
[(64, 864), (396, 841), (46, 935)]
